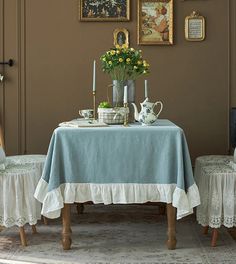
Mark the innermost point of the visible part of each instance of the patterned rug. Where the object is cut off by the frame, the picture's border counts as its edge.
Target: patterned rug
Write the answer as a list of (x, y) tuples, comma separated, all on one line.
[(134, 234)]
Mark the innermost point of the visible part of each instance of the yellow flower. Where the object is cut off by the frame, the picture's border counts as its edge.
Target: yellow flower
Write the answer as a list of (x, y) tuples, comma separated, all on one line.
[(113, 52), (128, 60), (132, 49), (118, 52), (121, 60), (140, 62), (135, 67), (144, 71), (110, 62), (144, 62)]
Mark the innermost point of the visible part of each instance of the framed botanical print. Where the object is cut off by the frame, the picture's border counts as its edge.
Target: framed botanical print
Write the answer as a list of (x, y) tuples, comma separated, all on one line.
[(121, 38), (155, 22), (104, 10)]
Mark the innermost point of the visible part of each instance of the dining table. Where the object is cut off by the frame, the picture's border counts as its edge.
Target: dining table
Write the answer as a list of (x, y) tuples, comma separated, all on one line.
[(118, 164)]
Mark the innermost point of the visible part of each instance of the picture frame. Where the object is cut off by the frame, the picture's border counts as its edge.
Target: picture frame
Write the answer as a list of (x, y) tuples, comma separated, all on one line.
[(155, 22), (106, 10), (121, 38), (195, 27)]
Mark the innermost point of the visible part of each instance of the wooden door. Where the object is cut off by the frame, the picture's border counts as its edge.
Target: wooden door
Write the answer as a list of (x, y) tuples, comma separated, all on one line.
[(11, 117)]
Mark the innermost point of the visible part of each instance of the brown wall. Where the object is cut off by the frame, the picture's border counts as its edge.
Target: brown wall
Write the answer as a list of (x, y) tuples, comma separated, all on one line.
[(192, 79)]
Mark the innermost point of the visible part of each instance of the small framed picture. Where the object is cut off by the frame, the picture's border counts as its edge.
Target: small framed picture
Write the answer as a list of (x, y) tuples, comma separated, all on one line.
[(195, 27), (155, 22), (105, 10), (121, 38)]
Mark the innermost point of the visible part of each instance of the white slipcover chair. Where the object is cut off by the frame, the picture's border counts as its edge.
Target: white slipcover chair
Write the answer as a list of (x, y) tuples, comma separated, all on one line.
[(17, 203), (37, 160), (215, 176)]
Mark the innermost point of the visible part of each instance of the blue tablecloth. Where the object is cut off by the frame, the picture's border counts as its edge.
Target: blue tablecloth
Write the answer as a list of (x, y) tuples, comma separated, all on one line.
[(118, 164)]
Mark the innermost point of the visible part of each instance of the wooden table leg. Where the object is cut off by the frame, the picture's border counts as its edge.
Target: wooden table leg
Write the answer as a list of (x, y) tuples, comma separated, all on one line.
[(66, 230), (214, 237), (162, 209), (80, 208), (205, 230), (22, 236), (171, 214)]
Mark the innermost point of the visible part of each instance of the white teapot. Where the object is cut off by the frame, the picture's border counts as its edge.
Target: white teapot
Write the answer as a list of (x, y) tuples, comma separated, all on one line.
[(147, 116)]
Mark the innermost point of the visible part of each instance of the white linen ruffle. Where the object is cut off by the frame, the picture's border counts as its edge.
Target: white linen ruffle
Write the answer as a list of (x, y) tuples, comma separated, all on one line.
[(127, 193)]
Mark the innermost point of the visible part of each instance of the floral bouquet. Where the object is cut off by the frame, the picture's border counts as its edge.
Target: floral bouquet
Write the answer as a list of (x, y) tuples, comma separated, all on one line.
[(124, 63)]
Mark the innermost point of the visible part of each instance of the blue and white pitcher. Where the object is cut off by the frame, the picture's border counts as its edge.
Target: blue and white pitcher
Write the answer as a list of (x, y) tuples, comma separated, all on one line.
[(147, 116)]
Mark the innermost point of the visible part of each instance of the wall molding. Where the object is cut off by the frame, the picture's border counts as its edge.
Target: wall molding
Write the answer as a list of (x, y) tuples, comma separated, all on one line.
[(2, 86), (22, 75)]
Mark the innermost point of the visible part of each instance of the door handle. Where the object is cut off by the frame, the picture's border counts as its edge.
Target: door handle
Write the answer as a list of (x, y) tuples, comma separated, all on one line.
[(1, 77), (10, 62)]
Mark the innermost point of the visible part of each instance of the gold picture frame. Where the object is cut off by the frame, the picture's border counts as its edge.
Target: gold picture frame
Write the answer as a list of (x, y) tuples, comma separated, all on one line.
[(195, 27), (90, 10), (121, 38), (155, 22)]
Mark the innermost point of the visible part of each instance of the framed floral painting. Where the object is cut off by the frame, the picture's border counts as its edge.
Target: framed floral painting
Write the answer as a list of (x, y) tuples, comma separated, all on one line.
[(104, 10), (155, 22)]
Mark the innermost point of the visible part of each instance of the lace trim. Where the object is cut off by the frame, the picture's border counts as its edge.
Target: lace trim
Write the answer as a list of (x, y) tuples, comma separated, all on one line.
[(216, 222), (21, 221)]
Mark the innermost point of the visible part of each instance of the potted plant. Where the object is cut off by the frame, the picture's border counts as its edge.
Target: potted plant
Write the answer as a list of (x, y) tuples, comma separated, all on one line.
[(111, 115), (124, 65)]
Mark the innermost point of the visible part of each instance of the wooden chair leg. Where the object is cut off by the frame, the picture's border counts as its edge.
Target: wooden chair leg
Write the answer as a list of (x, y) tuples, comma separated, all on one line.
[(23, 237), (215, 234), (34, 229), (205, 230), (45, 220)]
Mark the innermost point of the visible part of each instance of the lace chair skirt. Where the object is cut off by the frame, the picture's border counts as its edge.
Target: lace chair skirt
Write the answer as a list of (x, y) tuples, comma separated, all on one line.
[(217, 188), (17, 203)]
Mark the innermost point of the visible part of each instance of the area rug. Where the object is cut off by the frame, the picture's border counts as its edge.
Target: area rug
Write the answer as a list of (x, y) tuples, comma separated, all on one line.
[(133, 234)]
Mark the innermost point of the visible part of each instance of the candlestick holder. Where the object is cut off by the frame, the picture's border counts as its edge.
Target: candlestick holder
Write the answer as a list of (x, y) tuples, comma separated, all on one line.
[(94, 105), (126, 115)]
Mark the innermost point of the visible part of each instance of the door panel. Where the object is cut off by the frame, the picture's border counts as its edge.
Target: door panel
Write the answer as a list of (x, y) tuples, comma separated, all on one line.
[(10, 100)]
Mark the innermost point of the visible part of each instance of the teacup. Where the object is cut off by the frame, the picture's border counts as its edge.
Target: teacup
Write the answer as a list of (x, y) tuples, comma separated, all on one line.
[(86, 113)]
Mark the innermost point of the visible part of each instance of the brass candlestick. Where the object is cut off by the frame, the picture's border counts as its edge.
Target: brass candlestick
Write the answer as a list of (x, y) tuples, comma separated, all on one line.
[(125, 116), (94, 105)]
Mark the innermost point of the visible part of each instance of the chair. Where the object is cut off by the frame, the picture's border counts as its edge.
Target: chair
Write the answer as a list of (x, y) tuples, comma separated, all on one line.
[(216, 180), (37, 160), (17, 203), (210, 160)]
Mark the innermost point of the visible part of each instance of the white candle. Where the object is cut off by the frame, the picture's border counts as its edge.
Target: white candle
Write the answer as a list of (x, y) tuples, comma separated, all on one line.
[(145, 89), (125, 95), (94, 76)]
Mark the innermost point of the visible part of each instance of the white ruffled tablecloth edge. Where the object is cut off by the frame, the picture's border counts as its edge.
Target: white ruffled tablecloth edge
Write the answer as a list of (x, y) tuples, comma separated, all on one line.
[(119, 193)]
